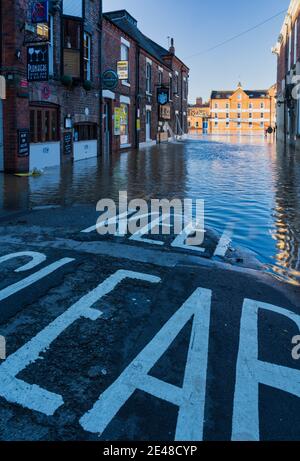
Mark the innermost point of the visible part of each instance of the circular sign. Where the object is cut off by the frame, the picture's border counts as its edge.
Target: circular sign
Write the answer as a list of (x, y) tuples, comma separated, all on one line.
[(270, 130), (110, 80)]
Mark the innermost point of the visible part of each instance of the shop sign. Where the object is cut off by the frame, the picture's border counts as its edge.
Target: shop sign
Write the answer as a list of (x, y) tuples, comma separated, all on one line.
[(23, 143), (110, 80), (117, 121), (39, 12), (68, 144), (123, 70), (165, 112), (37, 63)]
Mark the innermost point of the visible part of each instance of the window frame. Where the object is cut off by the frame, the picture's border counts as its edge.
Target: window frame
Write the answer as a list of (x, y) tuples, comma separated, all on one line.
[(148, 78), (88, 131), (87, 75), (124, 46), (80, 22), (39, 112)]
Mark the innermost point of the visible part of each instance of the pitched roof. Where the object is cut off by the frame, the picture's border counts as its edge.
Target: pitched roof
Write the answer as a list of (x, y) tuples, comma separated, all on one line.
[(252, 94), (124, 21)]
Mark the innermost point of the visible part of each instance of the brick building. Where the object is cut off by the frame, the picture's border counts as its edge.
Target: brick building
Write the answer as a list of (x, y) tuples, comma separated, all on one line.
[(52, 60), (242, 111), (151, 66), (287, 50)]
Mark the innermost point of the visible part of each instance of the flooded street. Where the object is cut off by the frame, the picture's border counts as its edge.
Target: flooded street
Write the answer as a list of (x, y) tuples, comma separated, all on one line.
[(246, 182)]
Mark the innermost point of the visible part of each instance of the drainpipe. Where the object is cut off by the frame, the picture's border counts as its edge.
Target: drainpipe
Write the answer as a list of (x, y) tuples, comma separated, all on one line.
[(100, 80)]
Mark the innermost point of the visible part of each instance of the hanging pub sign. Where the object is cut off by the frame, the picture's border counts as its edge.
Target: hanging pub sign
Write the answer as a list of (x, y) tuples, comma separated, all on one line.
[(39, 11), (162, 96), (23, 143), (123, 70), (37, 63)]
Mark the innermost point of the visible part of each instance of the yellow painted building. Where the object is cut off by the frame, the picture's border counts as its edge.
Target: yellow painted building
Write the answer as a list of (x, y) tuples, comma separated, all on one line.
[(245, 111)]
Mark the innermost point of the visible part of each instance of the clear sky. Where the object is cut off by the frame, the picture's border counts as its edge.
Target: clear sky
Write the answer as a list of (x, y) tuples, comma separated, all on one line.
[(198, 25)]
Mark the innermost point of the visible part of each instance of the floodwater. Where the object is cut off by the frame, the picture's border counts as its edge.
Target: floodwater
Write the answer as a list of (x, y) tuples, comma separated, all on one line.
[(248, 183)]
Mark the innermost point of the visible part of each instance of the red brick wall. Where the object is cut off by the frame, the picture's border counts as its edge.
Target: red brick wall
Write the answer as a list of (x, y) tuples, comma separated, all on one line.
[(15, 109)]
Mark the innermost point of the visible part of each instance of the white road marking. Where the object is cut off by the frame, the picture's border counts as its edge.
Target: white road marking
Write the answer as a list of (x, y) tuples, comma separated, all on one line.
[(180, 240), (224, 242), (26, 282), (32, 396), (37, 258), (190, 398), (251, 372), (107, 222)]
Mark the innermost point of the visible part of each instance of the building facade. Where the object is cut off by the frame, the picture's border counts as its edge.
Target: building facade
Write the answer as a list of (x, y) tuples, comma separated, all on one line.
[(287, 50), (198, 117), (52, 54), (133, 118), (242, 111)]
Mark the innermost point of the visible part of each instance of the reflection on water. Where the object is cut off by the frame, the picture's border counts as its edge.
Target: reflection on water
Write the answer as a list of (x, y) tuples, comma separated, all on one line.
[(243, 180)]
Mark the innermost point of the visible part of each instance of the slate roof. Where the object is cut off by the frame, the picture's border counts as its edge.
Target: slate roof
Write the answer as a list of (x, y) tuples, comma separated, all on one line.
[(253, 94), (128, 24)]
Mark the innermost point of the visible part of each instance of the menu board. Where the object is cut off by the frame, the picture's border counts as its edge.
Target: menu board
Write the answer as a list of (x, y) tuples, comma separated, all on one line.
[(23, 143)]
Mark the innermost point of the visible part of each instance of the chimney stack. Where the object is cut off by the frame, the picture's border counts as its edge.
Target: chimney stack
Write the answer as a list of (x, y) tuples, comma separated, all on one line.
[(172, 47)]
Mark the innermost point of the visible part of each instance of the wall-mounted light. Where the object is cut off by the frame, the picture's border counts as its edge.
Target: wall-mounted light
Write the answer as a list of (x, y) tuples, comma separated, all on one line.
[(18, 54)]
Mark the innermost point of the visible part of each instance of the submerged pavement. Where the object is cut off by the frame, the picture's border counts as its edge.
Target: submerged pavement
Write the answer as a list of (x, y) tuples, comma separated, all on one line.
[(119, 338)]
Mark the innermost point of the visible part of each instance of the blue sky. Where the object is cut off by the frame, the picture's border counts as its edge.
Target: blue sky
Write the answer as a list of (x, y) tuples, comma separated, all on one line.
[(198, 25)]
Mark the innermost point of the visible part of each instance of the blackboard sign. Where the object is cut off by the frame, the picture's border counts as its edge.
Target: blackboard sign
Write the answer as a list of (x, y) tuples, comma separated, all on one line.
[(68, 144), (23, 143), (37, 63), (162, 96)]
